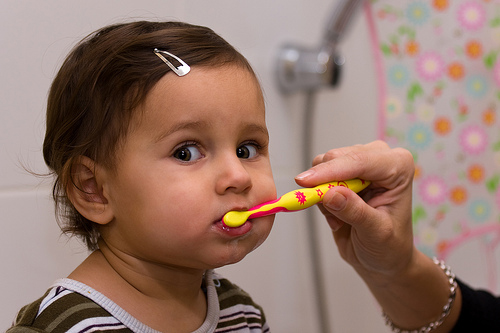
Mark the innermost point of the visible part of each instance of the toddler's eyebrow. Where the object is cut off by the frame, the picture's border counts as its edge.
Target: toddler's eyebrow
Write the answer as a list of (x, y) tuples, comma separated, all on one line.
[(195, 125), (198, 125), (257, 128)]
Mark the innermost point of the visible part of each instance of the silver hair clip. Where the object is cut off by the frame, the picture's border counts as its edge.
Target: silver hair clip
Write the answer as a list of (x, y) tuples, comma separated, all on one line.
[(181, 70)]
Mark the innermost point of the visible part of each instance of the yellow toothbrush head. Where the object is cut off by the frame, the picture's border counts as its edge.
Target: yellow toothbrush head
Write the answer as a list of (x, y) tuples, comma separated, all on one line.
[(234, 219)]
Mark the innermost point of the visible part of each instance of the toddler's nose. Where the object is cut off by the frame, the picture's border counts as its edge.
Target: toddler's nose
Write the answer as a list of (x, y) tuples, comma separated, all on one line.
[(233, 176)]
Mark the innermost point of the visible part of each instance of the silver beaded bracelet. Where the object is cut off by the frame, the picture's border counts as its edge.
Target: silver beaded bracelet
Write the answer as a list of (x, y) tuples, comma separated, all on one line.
[(446, 309)]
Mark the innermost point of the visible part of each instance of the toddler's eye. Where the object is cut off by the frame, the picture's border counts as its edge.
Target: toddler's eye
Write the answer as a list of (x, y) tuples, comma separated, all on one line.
[(247, 151), (188, 154)]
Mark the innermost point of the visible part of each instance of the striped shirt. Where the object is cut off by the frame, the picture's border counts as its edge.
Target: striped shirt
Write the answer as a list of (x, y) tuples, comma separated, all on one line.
[(73, 307)]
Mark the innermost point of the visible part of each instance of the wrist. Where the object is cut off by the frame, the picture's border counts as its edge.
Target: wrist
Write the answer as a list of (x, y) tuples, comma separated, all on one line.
[(414, 296), (453, 287)]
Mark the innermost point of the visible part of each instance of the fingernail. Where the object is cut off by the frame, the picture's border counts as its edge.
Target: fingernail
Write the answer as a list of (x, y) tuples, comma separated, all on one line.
[(337, 202), (305, 174)]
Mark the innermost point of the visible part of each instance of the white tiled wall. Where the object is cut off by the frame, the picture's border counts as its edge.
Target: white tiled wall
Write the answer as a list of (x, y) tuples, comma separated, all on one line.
[(35, 36)]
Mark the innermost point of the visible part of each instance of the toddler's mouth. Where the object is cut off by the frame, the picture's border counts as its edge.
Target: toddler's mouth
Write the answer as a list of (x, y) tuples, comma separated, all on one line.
[(233, 231)]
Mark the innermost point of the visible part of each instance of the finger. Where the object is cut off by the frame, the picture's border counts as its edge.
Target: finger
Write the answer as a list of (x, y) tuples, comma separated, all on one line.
[(339, 152), (345, 211), (331, 155), (384, 166), (347, 207), (334, 223), (318, 159)]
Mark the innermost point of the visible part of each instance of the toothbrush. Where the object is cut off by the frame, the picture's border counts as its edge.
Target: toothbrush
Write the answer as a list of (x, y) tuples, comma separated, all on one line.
[(292, 201)]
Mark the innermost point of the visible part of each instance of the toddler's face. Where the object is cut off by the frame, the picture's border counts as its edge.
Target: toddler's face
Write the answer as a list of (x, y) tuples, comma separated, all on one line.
[(197, 149)]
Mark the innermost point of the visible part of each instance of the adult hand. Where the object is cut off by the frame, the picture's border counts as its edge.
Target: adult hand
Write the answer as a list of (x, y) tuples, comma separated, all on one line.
[(373, 230)]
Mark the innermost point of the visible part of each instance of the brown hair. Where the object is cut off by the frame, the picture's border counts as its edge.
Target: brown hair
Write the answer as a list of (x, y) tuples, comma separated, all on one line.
[(103, 79)]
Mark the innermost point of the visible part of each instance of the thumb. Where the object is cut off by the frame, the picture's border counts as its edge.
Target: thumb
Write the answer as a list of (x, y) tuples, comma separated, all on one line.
[(347, 206)]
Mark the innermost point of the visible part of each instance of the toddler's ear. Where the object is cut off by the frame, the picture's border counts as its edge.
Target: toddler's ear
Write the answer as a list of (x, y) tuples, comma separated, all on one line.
[(85, 192)]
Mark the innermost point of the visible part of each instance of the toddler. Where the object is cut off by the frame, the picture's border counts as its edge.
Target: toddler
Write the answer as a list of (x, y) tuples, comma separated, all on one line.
[(154, 131)]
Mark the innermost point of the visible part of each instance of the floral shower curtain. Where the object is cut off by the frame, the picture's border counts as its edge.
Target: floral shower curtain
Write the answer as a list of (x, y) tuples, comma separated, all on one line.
[(438, 64)]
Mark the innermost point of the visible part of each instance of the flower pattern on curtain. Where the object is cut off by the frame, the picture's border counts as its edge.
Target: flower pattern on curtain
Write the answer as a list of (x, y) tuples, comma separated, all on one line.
[(440, 94)]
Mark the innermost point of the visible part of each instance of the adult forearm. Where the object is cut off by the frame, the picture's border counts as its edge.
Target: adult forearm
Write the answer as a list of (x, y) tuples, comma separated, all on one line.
[(415, 297)]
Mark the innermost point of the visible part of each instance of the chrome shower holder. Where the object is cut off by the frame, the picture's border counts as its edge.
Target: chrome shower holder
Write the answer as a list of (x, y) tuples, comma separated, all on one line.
[(309, 69), (303, 69)]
